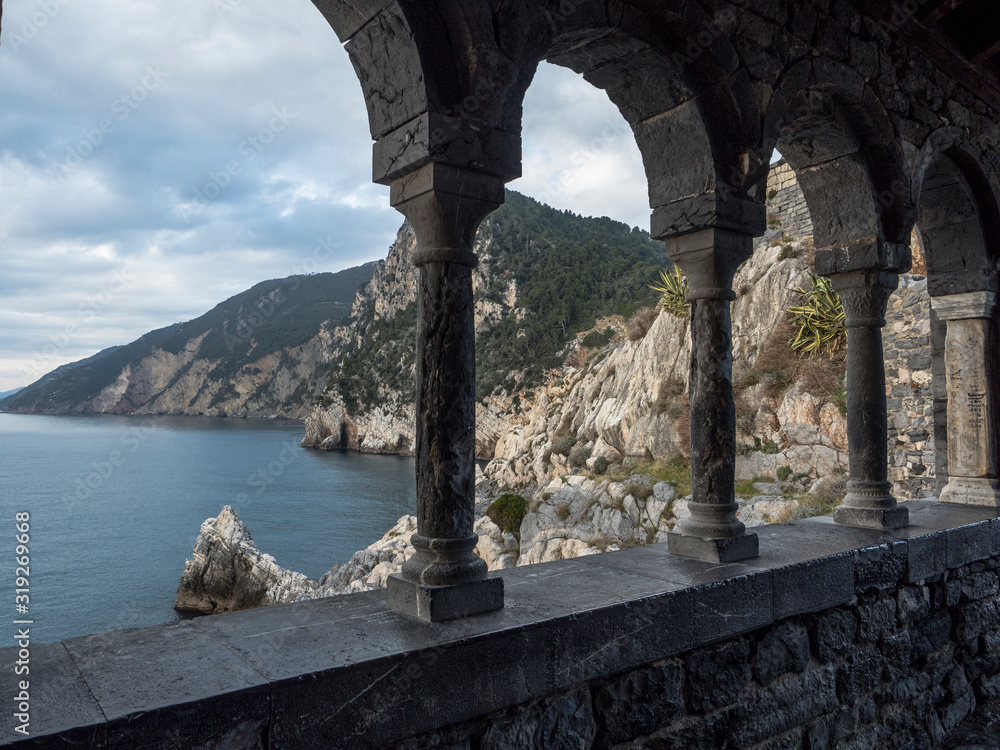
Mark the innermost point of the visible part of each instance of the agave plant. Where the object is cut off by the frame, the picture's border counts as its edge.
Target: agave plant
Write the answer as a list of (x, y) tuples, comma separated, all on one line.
[(818, 319), (673, 289)]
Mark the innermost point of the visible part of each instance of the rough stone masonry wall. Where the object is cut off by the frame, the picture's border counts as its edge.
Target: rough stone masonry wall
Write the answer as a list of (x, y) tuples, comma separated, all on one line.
[(901, 665), (906, 340)]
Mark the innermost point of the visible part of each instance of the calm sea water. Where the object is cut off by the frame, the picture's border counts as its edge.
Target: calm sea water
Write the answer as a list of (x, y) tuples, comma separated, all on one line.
[(117, 502)]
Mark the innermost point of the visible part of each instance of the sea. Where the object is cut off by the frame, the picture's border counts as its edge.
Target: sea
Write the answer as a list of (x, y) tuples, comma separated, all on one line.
[(113, 506)]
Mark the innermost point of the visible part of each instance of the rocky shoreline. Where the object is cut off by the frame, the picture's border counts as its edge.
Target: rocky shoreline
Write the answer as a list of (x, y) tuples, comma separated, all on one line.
[(570, 516)]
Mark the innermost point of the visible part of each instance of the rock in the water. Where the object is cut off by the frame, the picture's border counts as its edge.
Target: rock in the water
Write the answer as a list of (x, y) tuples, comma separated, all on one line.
[(227, 571)]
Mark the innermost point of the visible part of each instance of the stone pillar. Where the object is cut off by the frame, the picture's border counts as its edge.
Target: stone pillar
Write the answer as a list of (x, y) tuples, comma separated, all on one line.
[(869, 502), (709, 259), (444, 579), (971, 370)]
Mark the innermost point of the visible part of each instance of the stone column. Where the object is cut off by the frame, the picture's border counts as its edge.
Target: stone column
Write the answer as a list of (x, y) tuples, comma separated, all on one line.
[(709, 259), (444, 578), (971, 370), (869, 502)]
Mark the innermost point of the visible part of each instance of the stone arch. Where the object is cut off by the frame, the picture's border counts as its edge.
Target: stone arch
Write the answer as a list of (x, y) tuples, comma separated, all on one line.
[(444, 86), (958, 219), (838, 137), (694, 132), (958, 224)]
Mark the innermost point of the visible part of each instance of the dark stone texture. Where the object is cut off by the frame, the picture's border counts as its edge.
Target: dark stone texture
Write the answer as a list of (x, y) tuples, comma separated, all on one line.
[(718, 676), (836, 634), (440, 603), (347, 18), (785, 704), (562, 723), (877, 619), (735, 549), (969, 543), (868, 502), (784, 649), (640, 702), (601, 649), (926, 556), (812, 586), (881, 567)]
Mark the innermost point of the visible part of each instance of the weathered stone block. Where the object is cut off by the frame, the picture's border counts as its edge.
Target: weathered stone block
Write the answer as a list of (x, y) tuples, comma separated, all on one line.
[(979, 585), (565, 722), (877, 619), (787, 703), (859, 674), (835, 634), (912, 604), (640, 702), (718, 676), (880, 567), (784, 649)]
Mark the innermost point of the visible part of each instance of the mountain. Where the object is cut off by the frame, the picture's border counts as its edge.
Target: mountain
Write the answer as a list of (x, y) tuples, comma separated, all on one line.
[(256, 354), (543, 276)]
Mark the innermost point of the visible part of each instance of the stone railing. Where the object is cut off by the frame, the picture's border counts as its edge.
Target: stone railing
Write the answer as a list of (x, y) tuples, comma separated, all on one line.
[(841, 636)]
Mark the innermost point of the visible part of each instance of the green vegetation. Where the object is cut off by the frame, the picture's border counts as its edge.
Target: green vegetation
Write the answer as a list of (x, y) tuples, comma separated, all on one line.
[(676, 470), (745, 487), (568, 271), (673, 289), (784, 472), (818, 319), (600, 465), (507, 512), (597, 339)]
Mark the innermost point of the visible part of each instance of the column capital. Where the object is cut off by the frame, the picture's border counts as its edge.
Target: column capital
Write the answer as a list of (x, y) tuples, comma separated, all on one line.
[(709, 259), (865, 294), (965, 306), (445, 205)]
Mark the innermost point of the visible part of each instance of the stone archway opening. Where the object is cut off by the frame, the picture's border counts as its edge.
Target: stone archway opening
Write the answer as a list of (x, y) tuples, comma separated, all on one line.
[(956, 216)]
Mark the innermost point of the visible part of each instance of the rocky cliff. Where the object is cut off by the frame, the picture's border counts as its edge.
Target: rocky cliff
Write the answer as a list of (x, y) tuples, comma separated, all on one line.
[(626, 401), (263, 352), (542, 276)]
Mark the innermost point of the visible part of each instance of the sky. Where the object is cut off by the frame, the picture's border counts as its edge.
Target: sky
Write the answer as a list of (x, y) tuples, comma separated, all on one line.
[(158, 157)]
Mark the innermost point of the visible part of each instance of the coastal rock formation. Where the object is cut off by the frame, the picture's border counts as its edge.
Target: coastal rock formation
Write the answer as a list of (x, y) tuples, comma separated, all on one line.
[(570, 516), (227, 571)]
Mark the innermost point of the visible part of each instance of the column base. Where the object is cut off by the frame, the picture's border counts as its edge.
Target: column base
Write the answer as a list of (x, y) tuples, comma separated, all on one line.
[(972, 491), (731, 549), (872, 518), (440, 603)]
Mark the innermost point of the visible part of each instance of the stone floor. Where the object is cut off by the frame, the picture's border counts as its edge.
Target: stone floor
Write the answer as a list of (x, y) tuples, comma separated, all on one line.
[(981, 731)]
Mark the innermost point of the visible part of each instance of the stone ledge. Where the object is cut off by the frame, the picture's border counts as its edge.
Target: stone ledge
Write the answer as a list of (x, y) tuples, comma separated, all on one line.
[(327, 671)]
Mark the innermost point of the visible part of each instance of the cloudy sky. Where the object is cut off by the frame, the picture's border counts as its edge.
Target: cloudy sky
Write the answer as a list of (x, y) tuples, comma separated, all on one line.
[(158, 157)]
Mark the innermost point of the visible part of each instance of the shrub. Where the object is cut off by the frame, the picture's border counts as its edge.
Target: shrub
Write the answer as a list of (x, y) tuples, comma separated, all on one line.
[(507, 512), (784, 472), (640, 323), (818, 319), (597, 339), (562, 512), (639, 490), (579, 454), (563, 444), (673, 289), (600, 465)]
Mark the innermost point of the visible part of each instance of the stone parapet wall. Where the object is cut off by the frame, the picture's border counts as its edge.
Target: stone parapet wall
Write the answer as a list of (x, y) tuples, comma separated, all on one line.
[(834, 637)]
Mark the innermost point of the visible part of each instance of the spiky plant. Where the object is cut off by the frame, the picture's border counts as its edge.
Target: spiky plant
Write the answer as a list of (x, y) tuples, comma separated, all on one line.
[(673, 289), (818, 319)]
